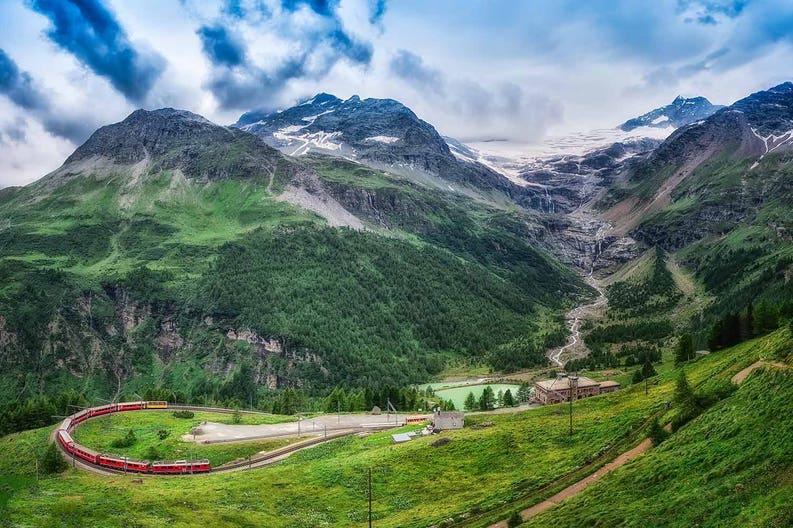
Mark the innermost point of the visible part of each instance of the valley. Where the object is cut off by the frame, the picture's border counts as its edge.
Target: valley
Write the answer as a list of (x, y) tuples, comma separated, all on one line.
[(341, 255)]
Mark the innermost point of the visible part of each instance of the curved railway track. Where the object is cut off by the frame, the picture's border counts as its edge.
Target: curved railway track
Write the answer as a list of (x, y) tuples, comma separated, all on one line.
[(253, 462)]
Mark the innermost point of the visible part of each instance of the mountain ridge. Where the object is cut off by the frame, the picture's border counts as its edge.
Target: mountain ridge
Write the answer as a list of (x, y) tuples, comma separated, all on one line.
[(680, 112)]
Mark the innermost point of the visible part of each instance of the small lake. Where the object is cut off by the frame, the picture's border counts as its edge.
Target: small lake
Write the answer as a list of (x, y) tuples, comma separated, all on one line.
[(458, 394)]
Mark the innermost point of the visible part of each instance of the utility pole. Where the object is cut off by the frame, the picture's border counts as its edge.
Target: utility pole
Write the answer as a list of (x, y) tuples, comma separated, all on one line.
[(370, 497), (573, 387), (338, 410)]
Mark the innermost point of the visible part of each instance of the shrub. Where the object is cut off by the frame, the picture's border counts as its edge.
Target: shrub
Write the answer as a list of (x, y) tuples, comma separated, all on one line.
[(53, 462), (183, 414), (657, 433), (126, 441), (514, 520), (162, 434)]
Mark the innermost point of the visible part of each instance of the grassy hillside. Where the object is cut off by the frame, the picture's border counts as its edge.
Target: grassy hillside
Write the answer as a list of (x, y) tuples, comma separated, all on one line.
[(416, 484), (144, 274), (729, 467)]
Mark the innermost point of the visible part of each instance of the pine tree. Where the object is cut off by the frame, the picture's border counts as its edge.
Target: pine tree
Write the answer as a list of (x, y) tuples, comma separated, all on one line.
[(657, 433), (637, 376), (524, 392), (648, 371), (514, 520), (765, 319), (500, 398), (684, 350), (684, 398), (508, 400), (488, 399), (470, 402), (747, 323)]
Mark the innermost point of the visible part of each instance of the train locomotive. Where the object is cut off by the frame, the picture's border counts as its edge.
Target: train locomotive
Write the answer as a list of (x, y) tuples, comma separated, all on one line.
[(177, 467)]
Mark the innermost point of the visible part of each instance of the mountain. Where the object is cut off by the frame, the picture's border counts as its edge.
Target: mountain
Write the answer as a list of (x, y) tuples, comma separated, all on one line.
[(681, 112), (169, 139), (172, 252), (719, 193), (382, 133)]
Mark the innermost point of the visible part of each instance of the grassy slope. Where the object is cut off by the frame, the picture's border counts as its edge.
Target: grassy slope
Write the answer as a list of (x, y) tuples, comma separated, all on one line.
[(730, 467), (325, 486), (175, 226)]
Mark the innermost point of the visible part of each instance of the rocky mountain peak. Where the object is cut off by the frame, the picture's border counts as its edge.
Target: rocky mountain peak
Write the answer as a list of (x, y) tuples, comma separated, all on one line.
[(682, 111), (170, 138), (382, 133)]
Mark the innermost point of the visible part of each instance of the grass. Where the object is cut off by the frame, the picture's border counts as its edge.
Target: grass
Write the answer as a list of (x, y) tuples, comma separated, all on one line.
[(729, 467), (415, 484), (99, 434)]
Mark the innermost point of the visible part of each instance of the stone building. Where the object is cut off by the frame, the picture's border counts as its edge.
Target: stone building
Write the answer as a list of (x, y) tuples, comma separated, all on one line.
[(445, 420), (558, 390)]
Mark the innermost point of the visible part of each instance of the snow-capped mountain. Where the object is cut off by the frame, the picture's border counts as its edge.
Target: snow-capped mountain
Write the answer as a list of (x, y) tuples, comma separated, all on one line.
[(681, 112), (382, 133)]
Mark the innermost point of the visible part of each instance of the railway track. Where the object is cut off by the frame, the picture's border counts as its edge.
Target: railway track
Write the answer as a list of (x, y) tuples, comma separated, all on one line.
[(257, 461)]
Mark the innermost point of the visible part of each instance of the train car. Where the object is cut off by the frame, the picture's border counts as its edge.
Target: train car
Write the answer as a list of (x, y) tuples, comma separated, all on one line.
[(131, 406), (65, 440), (66, 424), (80, 417), (103, 409), (201, 466), (156, 405), (85, 453), (180, 467), (127, 464), (141, 466)]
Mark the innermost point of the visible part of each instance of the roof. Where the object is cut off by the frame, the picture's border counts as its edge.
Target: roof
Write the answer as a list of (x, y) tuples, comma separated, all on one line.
[(609, 383), (564, 383), (400, 438)]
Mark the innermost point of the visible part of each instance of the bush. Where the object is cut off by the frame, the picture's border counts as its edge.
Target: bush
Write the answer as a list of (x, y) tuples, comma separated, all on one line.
[(514, 520), (53, 461), (183, 414), (657, 433), (162, 434), (126, 441)]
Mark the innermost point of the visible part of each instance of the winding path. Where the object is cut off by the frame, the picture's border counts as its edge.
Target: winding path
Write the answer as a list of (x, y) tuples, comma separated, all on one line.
[(621, 460)]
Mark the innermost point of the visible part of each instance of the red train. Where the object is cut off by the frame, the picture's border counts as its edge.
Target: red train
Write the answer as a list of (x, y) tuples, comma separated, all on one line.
[(178, 467)]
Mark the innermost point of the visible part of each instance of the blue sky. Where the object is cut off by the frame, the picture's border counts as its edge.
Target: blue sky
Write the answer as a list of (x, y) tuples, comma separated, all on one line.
[(475, 69)]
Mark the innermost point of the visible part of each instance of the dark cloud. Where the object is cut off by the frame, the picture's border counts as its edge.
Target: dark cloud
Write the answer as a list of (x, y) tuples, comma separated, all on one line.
[(410, 67), (221, 46), (708, 10), (238, 82), (321, 7), (20, 88), (252, 86), (377, 10), (353, 49), (15, 132), (90, 32)]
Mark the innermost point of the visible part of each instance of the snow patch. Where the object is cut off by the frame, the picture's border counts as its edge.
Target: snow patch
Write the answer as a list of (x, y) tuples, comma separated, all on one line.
[(311, 119), (384, 139), (660, 119)]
